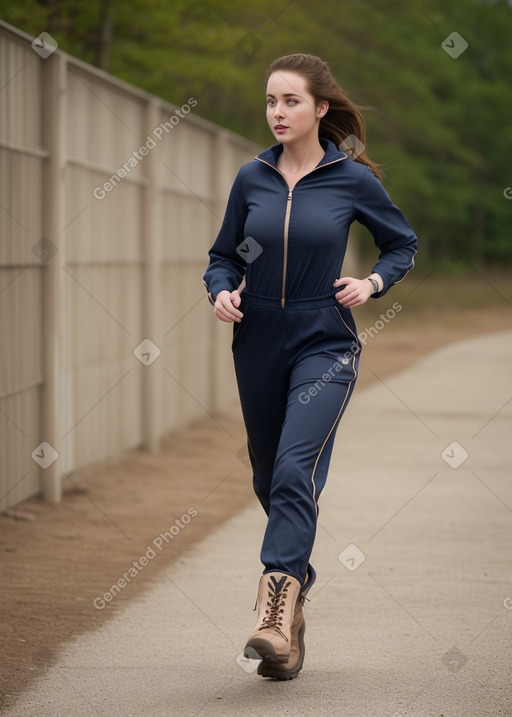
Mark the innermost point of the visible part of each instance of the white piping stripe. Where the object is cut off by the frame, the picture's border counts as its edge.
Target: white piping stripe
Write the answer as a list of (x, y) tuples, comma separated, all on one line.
[(408, 270), (341, 409)]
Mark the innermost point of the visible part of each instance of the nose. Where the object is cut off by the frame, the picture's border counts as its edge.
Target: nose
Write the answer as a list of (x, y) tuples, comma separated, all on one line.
[(278, 113)]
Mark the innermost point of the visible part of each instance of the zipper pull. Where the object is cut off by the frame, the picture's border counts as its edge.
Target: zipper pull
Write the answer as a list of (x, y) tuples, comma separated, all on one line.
[(289, 195)]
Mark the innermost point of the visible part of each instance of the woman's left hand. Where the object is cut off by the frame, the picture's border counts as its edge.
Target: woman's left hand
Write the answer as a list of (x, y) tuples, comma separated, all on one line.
[(356, 292)]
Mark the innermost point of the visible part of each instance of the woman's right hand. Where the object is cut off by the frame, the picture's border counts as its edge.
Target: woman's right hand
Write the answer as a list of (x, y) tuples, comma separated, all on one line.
[(226, 306)]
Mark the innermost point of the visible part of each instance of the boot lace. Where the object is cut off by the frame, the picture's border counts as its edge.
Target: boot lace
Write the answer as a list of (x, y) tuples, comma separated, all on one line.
[(276, 599)]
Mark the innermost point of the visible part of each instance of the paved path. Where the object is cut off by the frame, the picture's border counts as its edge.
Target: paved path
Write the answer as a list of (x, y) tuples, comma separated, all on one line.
[(421, 627)]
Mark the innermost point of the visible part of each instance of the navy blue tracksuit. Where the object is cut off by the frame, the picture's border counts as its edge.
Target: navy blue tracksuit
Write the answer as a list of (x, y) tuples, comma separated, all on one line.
[(296, 350)]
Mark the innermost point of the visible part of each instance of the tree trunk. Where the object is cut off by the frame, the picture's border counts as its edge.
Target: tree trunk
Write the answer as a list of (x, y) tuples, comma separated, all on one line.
[(105, 36)]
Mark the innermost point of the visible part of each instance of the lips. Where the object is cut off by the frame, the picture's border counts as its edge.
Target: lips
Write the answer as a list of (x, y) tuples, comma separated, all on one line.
[(280, 127)]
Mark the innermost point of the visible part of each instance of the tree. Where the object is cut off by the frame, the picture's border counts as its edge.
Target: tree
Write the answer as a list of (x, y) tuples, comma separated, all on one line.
[(440, 124)]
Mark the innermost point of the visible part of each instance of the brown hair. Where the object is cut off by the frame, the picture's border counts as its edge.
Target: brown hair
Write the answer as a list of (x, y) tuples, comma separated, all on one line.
[(343, 118)]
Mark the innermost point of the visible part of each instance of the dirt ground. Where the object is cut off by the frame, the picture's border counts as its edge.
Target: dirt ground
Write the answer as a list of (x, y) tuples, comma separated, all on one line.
[(56, 559)]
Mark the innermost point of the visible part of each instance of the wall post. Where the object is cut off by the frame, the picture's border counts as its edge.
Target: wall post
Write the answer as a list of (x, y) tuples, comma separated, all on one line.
[(54, 130), (152, 288)]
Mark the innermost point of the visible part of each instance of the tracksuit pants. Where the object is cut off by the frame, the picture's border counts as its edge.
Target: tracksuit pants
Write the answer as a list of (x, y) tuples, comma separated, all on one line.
[(296, 368)]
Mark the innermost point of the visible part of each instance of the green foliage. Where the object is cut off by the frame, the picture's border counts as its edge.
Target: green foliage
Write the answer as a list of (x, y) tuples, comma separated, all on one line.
[(439, 126)]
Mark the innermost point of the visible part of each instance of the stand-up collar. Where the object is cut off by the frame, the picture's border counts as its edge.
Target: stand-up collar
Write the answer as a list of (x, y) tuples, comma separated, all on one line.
[(332, 153)]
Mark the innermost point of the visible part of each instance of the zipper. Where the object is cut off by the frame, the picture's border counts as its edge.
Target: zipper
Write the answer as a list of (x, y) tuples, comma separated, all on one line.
[(285, 244), (287, 217)]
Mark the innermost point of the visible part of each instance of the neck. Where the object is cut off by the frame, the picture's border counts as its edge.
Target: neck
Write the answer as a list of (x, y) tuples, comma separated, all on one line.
[(299, 156)]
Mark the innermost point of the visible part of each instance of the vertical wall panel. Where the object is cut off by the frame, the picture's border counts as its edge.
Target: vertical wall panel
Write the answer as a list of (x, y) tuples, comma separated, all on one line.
[(21, 167)]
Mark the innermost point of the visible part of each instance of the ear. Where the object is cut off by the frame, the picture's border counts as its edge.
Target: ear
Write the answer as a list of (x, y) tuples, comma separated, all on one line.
[(322, 108)]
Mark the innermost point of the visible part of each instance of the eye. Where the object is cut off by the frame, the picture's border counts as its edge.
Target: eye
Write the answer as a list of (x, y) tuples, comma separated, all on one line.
[(270, 103), (292, 101)]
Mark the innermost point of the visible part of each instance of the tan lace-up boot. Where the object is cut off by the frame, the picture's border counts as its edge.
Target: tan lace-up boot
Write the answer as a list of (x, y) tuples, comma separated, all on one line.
[(277, 598), (291, 669)]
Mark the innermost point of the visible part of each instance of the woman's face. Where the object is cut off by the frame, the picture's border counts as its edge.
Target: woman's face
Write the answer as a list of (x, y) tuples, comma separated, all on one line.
[(292, 113)]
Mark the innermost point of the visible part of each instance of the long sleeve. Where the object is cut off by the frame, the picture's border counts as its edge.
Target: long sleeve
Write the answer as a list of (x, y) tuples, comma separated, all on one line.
[(390, 229), (227, 268)]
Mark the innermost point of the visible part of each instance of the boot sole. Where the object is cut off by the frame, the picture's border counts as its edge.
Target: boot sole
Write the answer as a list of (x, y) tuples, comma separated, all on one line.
[(264, 650), (281, 672)]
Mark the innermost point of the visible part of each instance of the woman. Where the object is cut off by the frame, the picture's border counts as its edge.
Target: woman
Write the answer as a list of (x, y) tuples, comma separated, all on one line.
[(295, 344)]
